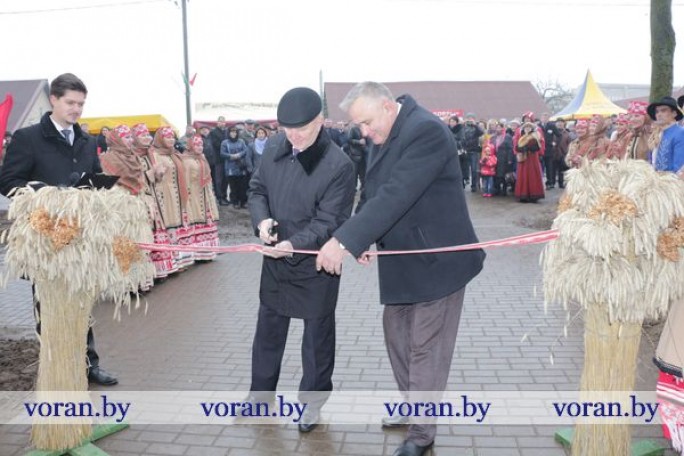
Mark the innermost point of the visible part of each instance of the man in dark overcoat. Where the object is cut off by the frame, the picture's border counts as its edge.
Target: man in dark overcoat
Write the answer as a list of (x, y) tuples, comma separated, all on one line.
[(56, 152), (413, 199), (300, 194)]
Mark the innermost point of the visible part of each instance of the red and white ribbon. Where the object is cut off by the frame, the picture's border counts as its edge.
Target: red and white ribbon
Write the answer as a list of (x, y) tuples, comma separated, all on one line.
[(538, 237)]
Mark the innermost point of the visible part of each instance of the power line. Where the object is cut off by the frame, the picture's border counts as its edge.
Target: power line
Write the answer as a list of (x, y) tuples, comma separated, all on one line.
[(71, 8)]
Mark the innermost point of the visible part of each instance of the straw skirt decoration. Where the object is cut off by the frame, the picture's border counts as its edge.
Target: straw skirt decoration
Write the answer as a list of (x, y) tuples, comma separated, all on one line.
[(621, 230), (77, 247)]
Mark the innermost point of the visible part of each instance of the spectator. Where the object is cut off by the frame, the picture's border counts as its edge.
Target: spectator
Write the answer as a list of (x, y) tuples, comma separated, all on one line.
[(217, 136)]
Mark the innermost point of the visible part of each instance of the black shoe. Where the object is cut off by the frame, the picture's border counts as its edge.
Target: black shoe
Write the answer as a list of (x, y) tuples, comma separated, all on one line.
[(101, 377), (409, 448), (394, 421), (309, 420), (224, 202)]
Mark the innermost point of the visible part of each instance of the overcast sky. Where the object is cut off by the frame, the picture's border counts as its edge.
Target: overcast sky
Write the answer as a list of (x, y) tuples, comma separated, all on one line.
[(129, 52)]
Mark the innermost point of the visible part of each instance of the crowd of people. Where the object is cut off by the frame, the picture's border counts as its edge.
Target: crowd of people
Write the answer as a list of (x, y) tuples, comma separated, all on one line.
[(528, 156)]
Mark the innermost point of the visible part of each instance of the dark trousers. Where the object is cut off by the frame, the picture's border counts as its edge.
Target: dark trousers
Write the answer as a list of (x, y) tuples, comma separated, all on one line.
[(500, 185), (91, 354), (464, 161), (214, 179), (559, 169), (220, 183), (474, 159), (420, 340), (318, 355), (549, 167), (238, 189)]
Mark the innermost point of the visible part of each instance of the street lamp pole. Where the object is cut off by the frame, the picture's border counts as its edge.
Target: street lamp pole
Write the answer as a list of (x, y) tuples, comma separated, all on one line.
[(186, 68)]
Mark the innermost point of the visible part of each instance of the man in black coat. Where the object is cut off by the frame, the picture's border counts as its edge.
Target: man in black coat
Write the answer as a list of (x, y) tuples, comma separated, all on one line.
[(217, 136), (211, 155), (413, 199), (56, 152), (302, 191), (552, 137)]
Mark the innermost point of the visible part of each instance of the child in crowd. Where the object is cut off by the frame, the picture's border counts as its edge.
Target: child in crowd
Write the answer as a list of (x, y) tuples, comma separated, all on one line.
[(488, 170)]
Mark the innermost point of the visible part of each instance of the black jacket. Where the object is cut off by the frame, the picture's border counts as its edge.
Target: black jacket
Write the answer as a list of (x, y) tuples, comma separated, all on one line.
[(309, 196), (413, 199), (217, 136), (40, 153)]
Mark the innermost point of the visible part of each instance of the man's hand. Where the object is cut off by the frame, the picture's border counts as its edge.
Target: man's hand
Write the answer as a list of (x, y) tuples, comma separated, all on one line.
[(330, 257), (282, 249), (265, 230)]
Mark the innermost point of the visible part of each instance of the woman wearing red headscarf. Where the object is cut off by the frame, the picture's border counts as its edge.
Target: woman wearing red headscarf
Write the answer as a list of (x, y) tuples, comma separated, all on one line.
[(598, 142), (172, 193), (202, 209), (120, 160), (579, 147), (164, 262), (621, 137), (640, 125)]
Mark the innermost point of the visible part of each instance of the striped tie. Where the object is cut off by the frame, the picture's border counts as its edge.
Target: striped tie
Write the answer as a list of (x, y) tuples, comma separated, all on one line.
[(67, 135)]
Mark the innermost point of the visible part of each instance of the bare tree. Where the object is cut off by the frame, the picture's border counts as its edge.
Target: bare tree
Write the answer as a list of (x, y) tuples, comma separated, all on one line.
[(662, 48), (555, 95)]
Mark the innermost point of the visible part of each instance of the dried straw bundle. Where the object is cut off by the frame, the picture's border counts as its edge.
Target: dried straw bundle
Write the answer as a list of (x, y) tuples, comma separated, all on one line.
[(618, 256), (76, 246)]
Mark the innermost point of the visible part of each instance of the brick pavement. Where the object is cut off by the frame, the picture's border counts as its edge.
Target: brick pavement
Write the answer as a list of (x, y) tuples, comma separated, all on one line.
[(197, 332)]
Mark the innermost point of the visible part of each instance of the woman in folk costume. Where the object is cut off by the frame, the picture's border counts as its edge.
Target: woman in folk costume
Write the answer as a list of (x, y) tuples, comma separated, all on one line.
[(579, 147), (202, 209), (172, 193), (164, 262), (622, 136), (529, 185), (598, 142), (640, 126), (120, 160)]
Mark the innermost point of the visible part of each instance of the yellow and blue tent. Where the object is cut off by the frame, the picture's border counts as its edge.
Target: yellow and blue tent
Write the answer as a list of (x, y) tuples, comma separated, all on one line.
[(589, 101), (153, 121)]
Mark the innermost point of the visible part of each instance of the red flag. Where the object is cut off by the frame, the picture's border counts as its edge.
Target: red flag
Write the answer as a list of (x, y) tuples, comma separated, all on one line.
[(192, 81), (5, 109)]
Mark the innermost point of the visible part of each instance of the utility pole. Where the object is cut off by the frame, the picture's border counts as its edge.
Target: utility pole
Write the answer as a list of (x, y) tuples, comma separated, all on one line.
[(186, 67)]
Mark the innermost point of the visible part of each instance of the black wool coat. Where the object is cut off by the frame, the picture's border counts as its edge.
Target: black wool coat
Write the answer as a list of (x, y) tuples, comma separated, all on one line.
[(40, 153), (310, 196), (413, 199)]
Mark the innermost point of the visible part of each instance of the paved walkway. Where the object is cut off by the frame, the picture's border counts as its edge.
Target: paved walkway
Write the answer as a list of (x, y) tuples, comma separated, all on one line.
[(198, 329)]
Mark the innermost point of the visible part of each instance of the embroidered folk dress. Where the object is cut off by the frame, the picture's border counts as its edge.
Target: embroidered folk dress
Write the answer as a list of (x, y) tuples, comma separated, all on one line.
[(172, 195), (202, 210)]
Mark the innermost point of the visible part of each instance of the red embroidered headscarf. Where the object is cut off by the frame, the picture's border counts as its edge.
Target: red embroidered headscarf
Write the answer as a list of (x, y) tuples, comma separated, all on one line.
[(159, 147), (120, 160), (195, 151)]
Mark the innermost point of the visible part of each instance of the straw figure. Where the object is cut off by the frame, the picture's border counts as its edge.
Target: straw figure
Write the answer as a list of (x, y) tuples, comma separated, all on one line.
[(76, 246), (621, 227)]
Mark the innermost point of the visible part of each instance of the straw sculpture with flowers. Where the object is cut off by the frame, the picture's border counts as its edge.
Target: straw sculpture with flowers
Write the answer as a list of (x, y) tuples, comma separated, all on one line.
[(76, 246), (618, 255)]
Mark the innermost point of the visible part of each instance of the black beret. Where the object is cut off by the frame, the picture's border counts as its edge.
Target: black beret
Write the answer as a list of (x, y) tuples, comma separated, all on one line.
[(298, 107)]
